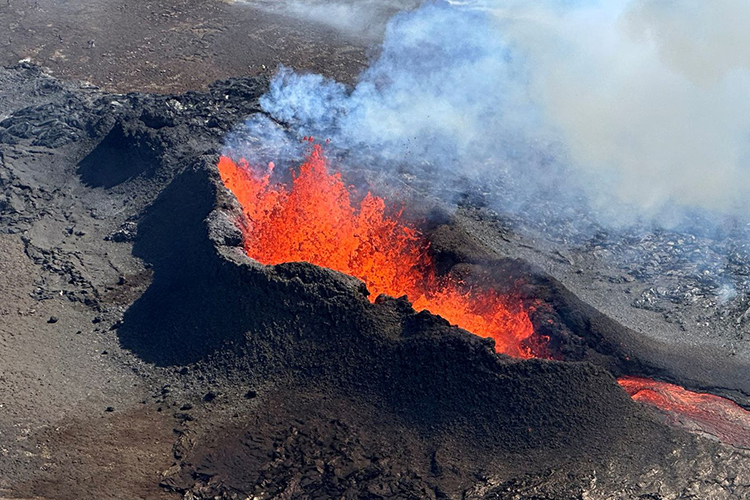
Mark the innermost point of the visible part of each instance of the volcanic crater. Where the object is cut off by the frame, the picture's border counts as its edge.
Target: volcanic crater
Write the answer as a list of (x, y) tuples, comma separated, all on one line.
[(291, 380)]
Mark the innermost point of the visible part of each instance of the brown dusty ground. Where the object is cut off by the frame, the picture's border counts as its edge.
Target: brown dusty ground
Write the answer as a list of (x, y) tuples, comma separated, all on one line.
[(173, 46), (123, 454)]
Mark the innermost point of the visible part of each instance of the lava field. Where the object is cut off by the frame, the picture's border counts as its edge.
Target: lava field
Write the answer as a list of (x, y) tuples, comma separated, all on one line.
[(179, 321)]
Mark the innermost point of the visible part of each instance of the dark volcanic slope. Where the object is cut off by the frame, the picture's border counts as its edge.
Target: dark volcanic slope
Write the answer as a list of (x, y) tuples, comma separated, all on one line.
[(161, 353), (692, 339), (579, 331), (381, 368)]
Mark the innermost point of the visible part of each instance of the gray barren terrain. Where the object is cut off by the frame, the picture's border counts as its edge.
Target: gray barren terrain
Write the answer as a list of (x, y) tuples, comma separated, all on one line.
[(143, 355)]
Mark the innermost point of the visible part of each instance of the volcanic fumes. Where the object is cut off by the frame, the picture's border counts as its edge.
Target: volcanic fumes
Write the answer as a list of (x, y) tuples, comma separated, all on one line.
[(316, 220)]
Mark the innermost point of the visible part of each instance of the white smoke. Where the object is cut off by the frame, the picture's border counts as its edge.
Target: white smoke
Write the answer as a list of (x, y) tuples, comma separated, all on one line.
[(365, 19), (643, 104), (654, 94)]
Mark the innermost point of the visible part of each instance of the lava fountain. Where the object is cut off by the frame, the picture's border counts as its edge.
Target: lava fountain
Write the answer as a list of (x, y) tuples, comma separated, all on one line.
[(315, 220)]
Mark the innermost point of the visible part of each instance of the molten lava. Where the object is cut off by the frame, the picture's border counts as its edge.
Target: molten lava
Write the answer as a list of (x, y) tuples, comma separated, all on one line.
[(701, 412), (315, 220)]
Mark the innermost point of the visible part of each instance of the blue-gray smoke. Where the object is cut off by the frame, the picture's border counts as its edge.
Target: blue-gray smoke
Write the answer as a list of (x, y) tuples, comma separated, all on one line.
[(626, 110)]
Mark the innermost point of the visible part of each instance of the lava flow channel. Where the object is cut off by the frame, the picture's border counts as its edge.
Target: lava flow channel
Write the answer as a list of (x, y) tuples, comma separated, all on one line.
[(707, 413), (316, 221)]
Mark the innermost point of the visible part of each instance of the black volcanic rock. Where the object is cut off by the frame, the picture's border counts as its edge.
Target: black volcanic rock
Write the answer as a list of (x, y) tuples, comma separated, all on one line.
[(314, 334)]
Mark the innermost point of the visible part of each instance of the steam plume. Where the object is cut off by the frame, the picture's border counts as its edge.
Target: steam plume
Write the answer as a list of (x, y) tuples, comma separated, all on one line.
[(643, 105)]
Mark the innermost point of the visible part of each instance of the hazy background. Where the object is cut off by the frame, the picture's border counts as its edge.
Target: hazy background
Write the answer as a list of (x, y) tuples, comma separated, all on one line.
[(631, 109)]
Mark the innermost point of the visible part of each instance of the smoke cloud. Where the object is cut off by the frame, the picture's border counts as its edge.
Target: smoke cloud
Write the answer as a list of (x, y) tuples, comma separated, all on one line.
[(651, 93), (362, 18), (637, 109)]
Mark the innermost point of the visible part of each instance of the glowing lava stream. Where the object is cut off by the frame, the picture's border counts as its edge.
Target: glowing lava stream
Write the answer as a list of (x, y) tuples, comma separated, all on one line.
[(316, 221), (707, 413)]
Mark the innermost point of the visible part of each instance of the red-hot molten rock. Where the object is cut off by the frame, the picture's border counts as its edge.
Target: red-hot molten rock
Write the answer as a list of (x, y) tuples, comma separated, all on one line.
[(702, 412), (315, 220)]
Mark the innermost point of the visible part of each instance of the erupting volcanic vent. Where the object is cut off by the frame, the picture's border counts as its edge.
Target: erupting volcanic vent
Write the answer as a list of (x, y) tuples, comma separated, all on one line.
[(315, 220)]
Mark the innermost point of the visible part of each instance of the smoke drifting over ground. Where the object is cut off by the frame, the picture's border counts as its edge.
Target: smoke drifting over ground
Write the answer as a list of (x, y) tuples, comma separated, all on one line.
[(361, 18), (641, 104)]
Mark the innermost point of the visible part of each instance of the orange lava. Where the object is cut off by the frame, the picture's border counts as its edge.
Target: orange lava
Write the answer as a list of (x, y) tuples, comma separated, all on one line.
[(707, 413), (315, 220)]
